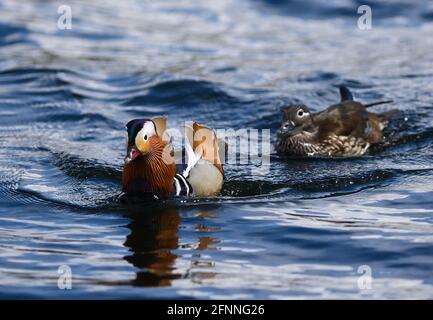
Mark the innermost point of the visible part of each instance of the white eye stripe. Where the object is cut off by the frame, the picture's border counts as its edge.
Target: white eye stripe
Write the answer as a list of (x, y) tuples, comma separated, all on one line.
[(301, 113), (147, 131)]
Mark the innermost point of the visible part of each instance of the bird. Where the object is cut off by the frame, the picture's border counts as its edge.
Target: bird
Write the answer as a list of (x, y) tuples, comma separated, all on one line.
[(345, 129), (150, 167), (204, 171)]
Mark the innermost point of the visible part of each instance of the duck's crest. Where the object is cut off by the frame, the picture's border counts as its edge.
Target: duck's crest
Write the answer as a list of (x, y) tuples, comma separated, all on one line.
[(345, 94)]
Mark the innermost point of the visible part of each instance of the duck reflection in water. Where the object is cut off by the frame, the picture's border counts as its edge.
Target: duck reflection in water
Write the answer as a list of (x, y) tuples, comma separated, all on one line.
[(154, 234), (153, 239)]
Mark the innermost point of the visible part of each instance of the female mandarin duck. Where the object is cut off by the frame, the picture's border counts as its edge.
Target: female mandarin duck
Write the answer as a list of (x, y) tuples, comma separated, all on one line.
[(150, 166), (344, 129)]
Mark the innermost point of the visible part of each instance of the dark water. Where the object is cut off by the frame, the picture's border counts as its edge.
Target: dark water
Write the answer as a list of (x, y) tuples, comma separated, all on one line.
[(301, 231)]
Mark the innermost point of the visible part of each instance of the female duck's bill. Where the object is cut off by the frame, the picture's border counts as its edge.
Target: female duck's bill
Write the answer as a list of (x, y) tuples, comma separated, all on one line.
[(150, 165)]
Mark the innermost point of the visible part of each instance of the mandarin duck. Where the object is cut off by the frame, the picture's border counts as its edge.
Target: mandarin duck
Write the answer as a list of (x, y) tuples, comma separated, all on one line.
[(345, 129), (150, 166)]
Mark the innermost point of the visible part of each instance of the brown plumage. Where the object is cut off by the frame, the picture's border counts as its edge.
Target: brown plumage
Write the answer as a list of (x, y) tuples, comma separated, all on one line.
[(149, 164), (149, 173), (343, 129)]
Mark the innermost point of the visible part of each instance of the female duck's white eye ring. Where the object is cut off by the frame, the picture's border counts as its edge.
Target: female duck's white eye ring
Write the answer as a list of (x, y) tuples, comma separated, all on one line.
[(145, 137), (301, 113)]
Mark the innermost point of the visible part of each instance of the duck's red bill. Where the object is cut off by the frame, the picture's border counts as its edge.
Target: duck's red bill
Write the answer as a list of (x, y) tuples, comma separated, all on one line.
[(133, 153)]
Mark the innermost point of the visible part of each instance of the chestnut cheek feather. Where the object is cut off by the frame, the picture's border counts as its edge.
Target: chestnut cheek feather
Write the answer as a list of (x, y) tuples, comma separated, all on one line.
[(156, 174)]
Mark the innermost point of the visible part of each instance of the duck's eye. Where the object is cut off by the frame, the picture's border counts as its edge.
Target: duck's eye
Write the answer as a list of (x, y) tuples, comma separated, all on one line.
[(301, 113), (145, 137)]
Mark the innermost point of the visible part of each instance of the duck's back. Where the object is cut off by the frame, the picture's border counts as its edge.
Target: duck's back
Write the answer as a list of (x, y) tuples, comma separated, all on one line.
[(348, 118)]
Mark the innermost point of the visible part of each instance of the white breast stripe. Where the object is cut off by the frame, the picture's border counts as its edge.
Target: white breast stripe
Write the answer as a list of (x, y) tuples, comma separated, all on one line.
[(185, 183), (177, 184), (187, 187)]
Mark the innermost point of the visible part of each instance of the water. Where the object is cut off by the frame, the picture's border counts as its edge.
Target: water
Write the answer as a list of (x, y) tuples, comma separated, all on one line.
[(301, 231)]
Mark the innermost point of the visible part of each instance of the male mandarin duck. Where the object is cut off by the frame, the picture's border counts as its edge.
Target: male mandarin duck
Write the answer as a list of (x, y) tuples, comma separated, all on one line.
[(150, 165), (344, 129)]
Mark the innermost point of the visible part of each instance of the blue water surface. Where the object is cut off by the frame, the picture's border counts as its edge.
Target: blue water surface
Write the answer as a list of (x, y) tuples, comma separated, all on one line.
[(315, 228)]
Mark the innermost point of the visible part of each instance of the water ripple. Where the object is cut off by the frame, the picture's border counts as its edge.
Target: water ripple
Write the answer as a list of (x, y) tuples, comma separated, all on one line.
[(300, 231)]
